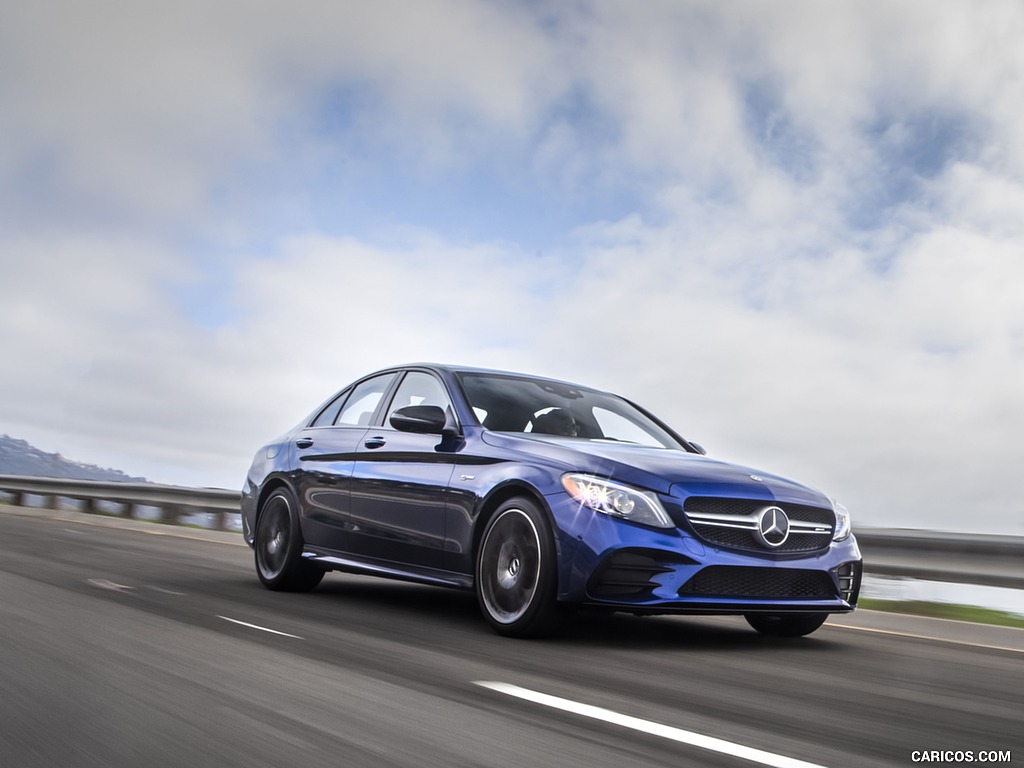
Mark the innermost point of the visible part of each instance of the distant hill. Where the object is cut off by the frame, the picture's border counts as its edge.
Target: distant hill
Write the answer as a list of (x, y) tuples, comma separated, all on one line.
[(19, 458)]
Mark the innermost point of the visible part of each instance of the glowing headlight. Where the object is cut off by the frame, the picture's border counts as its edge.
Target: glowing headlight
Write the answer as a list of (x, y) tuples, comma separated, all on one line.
[(617, 500), (843, 527)]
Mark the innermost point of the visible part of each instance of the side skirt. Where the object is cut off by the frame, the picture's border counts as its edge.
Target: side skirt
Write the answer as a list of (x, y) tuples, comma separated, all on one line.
[(391, 571)]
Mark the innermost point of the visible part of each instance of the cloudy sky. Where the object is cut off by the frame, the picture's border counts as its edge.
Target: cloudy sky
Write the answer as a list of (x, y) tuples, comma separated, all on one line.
[(793, 229)]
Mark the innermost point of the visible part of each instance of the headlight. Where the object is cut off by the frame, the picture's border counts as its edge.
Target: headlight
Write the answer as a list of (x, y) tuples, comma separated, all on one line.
[(617, 500), (843, 527)]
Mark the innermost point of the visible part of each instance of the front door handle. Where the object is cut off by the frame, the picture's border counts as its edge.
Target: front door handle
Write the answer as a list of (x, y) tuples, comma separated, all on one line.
[(304, 442), (375, 442)]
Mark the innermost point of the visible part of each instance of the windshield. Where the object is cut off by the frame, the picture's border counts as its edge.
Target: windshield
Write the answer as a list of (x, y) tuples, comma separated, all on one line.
[(519, 404)]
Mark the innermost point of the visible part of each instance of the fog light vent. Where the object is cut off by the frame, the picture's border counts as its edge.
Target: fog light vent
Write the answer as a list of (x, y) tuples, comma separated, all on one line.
[(848, 575), (629, 574)]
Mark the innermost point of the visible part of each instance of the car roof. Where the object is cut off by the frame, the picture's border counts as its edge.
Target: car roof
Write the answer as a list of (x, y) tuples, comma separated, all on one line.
[(456, 369)]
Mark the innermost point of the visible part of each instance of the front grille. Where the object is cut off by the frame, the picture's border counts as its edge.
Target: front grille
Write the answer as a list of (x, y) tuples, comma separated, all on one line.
[(630, 573), (760, 583), (732, 523)]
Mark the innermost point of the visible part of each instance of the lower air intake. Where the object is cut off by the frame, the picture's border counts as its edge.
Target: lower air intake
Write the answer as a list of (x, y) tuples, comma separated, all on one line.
[(630, 574), (760, 583), (849, 581)]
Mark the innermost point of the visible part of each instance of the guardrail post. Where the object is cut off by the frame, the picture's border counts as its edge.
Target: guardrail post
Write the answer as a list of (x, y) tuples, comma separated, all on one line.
[(171, 514)]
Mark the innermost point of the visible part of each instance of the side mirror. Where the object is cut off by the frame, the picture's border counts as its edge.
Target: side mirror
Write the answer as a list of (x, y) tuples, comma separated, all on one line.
[(421, 419)]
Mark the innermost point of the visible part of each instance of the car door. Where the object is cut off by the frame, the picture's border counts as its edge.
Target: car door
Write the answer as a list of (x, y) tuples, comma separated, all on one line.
[(400, 483), (326, 452)]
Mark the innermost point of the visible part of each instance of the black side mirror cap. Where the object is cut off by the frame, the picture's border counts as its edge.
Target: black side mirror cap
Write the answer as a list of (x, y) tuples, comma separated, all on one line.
[(421, 419)]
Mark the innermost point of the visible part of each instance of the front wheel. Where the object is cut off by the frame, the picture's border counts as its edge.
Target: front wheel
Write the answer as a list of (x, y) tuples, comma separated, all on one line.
[(516, 571), (278, 546), (786, 625)]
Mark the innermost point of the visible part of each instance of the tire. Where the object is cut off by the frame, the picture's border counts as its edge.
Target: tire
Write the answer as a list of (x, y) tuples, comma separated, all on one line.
[(516, 569), (786, 625), (278, 547)]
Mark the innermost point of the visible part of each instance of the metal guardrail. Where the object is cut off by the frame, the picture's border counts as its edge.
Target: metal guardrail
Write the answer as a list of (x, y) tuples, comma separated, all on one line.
[(989, 560), (960, 558), (171, 504)]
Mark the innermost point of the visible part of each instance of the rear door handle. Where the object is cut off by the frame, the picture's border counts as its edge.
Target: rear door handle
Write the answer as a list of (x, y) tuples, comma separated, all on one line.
[(304, 442), (375, 442)]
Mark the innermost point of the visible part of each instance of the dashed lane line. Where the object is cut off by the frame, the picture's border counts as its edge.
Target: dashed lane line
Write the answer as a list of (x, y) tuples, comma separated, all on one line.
[(111, 585), (257, 626)]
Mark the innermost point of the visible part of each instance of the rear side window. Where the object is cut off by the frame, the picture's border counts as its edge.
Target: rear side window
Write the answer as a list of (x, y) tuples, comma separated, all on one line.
[(361, 404), (330, 413)]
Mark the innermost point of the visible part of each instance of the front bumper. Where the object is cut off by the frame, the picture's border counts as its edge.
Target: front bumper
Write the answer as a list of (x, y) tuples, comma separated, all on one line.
[(624, 566)]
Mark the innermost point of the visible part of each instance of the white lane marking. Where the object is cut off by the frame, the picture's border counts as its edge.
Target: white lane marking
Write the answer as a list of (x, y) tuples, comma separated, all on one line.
[(165, 591), (646, 726), (107, 584), (927, 637), (257, 626)]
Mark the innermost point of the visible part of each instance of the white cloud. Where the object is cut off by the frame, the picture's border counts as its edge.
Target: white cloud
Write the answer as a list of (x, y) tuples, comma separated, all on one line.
[(793, 230)]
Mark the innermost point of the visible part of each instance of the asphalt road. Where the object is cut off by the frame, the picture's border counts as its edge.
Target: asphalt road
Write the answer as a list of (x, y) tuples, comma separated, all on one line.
[(125, 644)]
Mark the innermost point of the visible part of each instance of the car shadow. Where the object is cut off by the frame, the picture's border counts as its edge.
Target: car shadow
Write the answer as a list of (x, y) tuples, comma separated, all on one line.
[(403, 606), (590, 629)]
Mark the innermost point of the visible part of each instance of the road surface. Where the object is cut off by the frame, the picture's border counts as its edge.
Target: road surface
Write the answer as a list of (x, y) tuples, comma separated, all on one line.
[(134, 644)]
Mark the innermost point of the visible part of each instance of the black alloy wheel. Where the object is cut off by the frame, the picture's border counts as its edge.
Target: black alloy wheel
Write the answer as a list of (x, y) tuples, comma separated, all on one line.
[(278, 546), (516, 568)]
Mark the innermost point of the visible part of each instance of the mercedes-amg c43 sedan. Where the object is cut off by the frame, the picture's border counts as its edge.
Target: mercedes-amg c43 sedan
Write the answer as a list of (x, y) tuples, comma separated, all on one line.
[(541, 496)]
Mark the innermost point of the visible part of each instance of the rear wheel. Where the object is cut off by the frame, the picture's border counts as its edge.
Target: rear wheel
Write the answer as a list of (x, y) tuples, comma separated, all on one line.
[(516, 571), (278, 546), (786, 625)]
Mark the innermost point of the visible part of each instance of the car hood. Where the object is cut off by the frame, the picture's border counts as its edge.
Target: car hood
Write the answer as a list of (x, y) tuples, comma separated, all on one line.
[(673, 472)]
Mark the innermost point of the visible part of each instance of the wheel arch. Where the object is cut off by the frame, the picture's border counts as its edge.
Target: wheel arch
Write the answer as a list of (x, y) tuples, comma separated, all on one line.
[(269, 486), (497, 497)]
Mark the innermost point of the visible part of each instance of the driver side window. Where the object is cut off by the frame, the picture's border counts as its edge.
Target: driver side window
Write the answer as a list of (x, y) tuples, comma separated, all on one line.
[(418, 388)]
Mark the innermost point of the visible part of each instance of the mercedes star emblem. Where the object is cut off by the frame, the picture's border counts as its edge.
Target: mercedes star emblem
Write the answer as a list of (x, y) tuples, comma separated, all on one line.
[(773, 527)]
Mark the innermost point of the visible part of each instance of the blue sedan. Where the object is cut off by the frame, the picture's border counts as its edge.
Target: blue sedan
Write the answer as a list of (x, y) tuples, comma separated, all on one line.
[(542, 496)]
